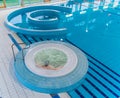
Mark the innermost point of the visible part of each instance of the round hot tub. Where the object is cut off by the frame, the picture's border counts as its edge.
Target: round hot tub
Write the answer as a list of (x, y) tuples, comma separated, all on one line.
[(51, 67)]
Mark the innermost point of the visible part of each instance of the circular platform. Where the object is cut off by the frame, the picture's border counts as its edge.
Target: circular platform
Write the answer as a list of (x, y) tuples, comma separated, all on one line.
[(45, 18), (51, 67), (27, 21)]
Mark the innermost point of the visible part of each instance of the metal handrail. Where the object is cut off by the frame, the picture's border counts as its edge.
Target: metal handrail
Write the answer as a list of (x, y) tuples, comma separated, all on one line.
[(12, 46), (24, 49)]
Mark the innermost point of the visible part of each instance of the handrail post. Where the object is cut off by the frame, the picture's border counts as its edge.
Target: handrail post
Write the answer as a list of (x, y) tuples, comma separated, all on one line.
[(23, 51), (12, 46)]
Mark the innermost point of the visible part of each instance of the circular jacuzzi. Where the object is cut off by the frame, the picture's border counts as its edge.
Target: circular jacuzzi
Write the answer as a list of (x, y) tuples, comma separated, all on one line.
[(51, 67)]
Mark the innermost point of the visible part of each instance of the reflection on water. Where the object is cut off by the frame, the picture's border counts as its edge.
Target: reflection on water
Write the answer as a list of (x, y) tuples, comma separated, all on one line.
[(88, 20)]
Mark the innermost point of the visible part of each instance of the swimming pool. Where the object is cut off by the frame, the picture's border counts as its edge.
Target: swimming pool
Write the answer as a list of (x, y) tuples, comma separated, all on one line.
[(96, 33)]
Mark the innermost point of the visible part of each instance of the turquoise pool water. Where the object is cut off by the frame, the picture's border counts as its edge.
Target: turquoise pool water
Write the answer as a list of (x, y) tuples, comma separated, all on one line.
[(98, 33)]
